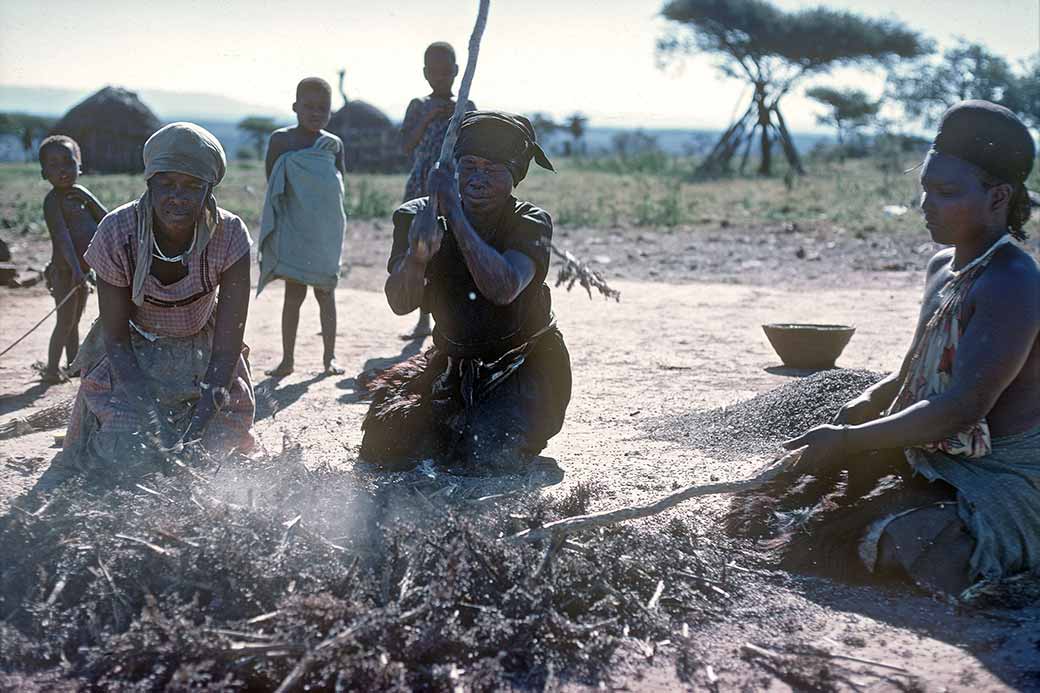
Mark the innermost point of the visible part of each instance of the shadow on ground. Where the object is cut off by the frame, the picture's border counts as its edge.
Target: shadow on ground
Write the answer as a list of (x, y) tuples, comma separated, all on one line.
[(10, 403), (271, 399), (356, 385), (1001, 634)]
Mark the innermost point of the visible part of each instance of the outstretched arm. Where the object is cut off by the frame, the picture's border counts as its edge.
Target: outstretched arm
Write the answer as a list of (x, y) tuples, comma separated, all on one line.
[(990, 354), (878, 397)]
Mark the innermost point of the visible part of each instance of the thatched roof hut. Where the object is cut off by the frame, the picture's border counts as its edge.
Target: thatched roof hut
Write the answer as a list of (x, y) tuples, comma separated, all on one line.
[(111, 127), (372, 141)]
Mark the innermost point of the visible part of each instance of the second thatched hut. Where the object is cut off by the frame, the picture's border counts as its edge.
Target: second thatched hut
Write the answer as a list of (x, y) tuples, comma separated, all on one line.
[(111, 127), (371, 140)]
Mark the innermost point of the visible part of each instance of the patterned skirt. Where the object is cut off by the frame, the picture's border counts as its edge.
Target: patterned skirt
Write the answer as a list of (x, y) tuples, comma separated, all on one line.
[(107, 432)]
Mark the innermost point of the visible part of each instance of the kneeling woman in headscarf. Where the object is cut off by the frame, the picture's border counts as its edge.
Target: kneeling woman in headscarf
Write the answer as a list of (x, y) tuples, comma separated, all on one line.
[(165, 363), (495, 386)]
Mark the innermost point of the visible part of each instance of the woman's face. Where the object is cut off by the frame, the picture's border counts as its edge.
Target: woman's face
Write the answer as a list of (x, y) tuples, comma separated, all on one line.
[(485, 185), (178, 200), (953, 200)]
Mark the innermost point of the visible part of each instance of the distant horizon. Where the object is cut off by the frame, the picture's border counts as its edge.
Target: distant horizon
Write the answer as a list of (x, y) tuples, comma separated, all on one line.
[(593, 56), (7, 104), (147, 96)]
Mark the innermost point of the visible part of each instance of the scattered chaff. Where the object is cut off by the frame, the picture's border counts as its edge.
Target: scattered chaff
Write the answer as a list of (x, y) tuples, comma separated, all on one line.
[(153, 492), (574, 271), (752, 649), (177, 538), (237, 634), (652, 604), (571, 525), (143, 542), (263, 617), (59, 587), (304, 666), (279, 649)]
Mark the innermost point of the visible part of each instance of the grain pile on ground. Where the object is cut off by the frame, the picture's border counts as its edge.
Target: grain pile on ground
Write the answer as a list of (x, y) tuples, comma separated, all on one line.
[(758, 425), (262, 573)]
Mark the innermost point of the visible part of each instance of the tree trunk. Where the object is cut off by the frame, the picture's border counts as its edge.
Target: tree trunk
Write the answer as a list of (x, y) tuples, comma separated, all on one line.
[(747, 150), (765, 166), (719, 158), (721, 154), (788, 144)]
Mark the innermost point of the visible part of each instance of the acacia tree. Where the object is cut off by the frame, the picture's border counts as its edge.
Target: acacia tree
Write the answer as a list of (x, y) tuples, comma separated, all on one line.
[(772, 50), (1027, 93), (849, 109), (576, 124), (926, 88), (258, 128), (27, 127)]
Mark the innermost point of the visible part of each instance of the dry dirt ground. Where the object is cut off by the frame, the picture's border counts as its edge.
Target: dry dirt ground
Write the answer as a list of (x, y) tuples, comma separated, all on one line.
[(685, 336)]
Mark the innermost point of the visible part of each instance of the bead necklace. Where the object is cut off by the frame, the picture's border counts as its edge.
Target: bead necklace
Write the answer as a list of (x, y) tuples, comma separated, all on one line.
[(160, 255)]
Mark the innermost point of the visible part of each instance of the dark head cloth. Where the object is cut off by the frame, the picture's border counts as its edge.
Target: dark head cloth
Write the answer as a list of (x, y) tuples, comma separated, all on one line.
[(989, 136), (503, 137)]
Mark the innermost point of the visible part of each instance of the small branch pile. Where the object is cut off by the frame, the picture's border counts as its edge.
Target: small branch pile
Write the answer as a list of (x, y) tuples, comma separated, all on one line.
[(574, 271), (54, 416), (270, 575)]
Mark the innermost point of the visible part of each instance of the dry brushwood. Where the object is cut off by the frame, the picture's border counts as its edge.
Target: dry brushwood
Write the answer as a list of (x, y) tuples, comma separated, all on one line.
[(54, 416), (125, 589), (574, 271)]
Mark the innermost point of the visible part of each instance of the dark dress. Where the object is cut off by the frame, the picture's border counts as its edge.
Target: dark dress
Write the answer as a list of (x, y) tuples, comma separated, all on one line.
[(495, 386)]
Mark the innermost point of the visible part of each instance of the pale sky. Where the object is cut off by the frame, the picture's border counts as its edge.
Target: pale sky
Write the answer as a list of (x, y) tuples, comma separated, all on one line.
[(557, 56)]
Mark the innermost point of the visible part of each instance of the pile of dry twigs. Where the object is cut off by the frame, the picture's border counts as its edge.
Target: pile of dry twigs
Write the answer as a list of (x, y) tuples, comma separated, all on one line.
[(267, 575)]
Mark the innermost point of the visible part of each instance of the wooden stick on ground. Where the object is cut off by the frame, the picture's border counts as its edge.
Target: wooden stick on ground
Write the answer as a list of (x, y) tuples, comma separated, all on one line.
[(570, 525)]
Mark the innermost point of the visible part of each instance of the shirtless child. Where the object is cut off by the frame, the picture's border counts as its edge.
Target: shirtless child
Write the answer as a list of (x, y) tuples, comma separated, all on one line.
[(301, 233), (962, 414), (422, 134), (72, 214)]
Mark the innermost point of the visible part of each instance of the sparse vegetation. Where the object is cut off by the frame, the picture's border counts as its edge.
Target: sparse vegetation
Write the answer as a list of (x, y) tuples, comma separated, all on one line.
[(645, 189)]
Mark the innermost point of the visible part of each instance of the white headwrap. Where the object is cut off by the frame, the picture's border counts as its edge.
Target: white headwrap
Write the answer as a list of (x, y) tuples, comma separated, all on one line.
[(177, 148)]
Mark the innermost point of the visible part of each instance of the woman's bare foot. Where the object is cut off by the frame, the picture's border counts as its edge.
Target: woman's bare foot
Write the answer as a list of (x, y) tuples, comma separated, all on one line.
[(332, 368), (281, 370)]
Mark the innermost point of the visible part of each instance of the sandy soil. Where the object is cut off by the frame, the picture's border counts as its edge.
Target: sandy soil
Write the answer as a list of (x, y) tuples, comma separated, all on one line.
[(689, 338)]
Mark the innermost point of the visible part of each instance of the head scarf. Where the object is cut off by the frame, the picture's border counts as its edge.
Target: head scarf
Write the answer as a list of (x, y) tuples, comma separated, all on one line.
[(988, 136), (177, 148), (502, 137)]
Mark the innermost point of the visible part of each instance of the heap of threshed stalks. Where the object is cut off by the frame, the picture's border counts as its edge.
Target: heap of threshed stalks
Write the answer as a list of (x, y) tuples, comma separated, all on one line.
[(260, 575)]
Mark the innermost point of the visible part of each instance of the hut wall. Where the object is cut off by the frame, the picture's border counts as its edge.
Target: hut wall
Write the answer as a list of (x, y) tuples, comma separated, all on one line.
[(374, 150)]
